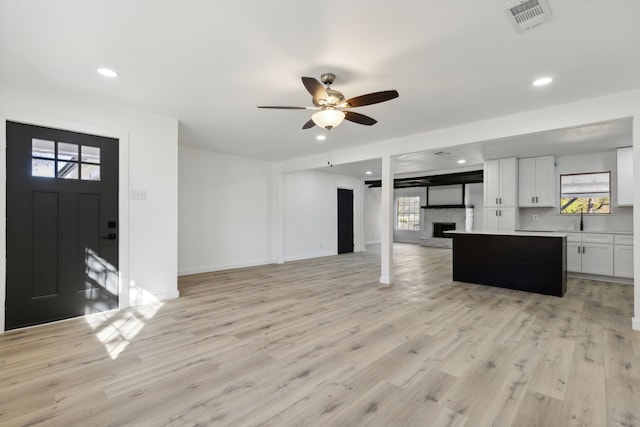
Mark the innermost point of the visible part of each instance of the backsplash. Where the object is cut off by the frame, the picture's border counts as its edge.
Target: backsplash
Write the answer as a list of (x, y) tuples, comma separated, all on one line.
[(621, 219)]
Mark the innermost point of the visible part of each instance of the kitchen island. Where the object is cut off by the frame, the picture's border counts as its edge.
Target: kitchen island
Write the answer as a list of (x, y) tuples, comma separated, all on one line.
[(524, 261)]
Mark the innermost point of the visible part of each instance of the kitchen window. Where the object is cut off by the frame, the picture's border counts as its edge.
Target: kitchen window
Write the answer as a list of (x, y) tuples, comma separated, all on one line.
[(586, 193), (408, 213)]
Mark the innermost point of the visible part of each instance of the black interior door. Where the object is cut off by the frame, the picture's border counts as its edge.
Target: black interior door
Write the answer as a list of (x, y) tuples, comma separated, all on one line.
[(62, 230), (345, 221)]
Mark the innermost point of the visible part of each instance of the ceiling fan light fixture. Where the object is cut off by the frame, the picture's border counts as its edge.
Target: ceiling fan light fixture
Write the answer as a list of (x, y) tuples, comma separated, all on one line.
[(331, 103), (107, 72), (328, 118), (542, 81)]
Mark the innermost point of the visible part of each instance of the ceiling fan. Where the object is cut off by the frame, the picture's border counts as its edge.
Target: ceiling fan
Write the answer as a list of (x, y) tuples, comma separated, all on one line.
[(332, 106)]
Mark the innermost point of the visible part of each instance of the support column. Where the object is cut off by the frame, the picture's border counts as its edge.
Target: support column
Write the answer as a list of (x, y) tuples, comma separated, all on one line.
[(635, 322), (276, 215), (386, 221)]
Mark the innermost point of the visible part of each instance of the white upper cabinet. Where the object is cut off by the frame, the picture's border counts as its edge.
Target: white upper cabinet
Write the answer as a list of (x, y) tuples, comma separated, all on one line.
[(546, 193), (500, 182), (537, 182), (491, 182), (500, 194), (526, 182), (625, 176)]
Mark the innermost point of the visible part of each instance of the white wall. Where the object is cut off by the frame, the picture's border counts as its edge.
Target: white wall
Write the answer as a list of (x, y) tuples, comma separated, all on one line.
[(372, 230), (445, 194), (408, 236), (310, 213), (474, 196), (223, 211), (620, 218), (148, 161)]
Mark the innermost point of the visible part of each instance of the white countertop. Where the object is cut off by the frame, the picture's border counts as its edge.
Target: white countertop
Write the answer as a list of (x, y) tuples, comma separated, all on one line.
[(511, 233), (577, 231)]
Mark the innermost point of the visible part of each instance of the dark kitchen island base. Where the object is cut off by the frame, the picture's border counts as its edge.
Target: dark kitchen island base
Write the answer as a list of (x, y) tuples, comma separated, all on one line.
[(522, 261)]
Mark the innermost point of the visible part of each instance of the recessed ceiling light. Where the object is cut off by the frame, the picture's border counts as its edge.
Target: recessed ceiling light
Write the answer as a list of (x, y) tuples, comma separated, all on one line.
[(107, 72), (368, 172), (542, 81), (321, 137), (461, 161)]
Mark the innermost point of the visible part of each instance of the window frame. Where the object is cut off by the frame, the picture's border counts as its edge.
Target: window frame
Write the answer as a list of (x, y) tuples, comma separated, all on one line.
[(560, 194), (57, 158), (415, 203)]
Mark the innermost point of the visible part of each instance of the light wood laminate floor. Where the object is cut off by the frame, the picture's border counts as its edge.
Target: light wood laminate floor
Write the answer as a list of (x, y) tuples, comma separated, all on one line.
[(320, 342)]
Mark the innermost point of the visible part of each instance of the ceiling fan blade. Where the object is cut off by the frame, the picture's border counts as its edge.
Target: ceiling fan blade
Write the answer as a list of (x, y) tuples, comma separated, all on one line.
[(372, 98), (282, 107), (315, 88), (309, 124), (359, 118)]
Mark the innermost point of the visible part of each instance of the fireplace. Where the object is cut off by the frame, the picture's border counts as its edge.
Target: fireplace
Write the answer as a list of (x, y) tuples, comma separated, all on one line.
[(439, 229)]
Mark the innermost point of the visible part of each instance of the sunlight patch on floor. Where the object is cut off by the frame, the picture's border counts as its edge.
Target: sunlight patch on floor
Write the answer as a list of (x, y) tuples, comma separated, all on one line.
[(117, 329)]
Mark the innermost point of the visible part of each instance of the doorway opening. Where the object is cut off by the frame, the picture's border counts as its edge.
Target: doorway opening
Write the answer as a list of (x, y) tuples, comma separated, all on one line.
[(345, 221)]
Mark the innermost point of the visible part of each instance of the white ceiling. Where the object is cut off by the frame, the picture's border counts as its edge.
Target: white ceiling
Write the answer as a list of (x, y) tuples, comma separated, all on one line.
[(593, 138), (210, 63)]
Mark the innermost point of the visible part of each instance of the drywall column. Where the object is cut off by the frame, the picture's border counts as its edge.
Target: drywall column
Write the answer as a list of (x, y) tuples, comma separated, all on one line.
[(276, 212), (635, 322), (386, 221)]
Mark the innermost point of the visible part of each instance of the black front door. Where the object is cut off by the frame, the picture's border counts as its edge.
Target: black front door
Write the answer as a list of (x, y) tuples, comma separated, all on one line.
[(62, 230), (345, 221)]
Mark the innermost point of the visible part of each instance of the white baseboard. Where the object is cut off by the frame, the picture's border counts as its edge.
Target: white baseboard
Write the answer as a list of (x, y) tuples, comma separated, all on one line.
[(212, 268), (387, 280), (308, 256), (635, 323), (168, 295), (373, 242), (599, 278)]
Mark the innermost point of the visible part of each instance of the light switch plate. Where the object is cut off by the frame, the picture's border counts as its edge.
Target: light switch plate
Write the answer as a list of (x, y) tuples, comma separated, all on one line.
[(138, 195)]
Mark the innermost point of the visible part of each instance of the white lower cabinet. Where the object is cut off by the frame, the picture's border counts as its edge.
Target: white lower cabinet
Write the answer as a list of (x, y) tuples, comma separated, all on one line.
[(600, 253), (623, 256), (574, 256), (590, 253), (597, 258)]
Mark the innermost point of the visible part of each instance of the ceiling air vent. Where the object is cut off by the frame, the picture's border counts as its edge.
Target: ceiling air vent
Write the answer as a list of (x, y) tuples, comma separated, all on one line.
[(526, 14)]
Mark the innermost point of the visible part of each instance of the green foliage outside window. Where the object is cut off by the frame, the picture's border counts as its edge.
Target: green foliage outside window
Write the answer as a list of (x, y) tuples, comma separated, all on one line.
[(586, 205)]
